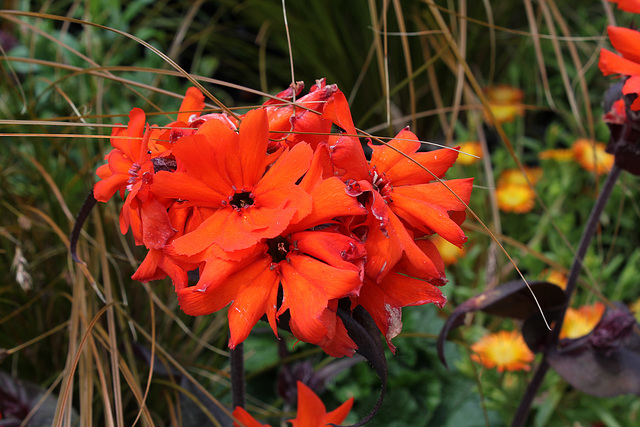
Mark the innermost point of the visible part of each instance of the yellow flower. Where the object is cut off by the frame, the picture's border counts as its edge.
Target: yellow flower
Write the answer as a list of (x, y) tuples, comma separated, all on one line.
[(579, 322), (592, 156), (559, 155), (504, 350), (515, 198), (505, 102), (515, 176), (472, 148), (450, 253), (556, 277)]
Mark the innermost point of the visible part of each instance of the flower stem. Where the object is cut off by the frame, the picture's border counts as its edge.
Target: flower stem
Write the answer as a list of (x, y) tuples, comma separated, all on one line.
[(588, 233), (236, 362)]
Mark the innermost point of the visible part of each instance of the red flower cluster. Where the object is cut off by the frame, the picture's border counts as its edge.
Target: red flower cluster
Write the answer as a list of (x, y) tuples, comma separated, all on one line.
[(283, 219)]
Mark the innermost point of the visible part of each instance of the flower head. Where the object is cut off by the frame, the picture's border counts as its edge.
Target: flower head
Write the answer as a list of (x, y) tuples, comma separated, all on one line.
[(515, 198), (505, 102), (558, 154), (581, 321), (311, 411), (592, 156), (470, 153), (504, 350)]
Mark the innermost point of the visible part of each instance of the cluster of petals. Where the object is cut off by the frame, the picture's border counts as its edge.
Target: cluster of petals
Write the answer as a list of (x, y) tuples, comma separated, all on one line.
[(283, 219), (514, 193), (311, 412), (627, 63), (503, 350)]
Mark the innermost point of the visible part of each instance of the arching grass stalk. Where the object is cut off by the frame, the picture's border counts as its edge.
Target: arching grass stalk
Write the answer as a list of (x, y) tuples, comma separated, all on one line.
[(588, 233)]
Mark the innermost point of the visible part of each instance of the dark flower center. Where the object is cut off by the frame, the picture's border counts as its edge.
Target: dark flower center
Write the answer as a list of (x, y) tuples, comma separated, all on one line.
[(241, 200), (278, 249)]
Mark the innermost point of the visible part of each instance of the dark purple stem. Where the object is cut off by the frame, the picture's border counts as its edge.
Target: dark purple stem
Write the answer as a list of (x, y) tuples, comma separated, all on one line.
[(588, 233), (236, 361)]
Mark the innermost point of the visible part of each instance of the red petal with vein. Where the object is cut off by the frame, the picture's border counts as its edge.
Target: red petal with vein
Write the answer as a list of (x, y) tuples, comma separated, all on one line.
[(626, 41), (311, 410), (246, 419), (426, 217), (385, 157), (632, 6), (320, 169), (450, 195), (156, 226), (183, 186), (252, 146), (286, 170), (335, 249), (632, 85), (224, 158), (193, 103), (257, 295), (610, 63), (201, 159), (384, 301), (157, 266), (308, 285), (384, 252), (329, 200), (337, 110), (129, 140), (348, 158)]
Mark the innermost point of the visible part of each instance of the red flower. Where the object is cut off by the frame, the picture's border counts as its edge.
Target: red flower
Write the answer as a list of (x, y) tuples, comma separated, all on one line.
[(253, 251), (311, 411), (626, 42), (402, 201), (225, 170)]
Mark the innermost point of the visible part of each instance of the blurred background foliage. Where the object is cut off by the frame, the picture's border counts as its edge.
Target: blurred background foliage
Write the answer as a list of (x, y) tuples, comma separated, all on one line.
[(417, 63)]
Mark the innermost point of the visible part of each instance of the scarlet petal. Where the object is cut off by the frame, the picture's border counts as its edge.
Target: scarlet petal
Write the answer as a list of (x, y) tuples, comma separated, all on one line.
[(337, 250), (337, 110), (329, 200), (156, 226), (156, 266), (308, 284), (626, 41), (192, 103), (428, 216), (287, 169), (252, 146), (384, 300), (311, 410), (348, 158), (632, 85), (610, 63), (129, 140), (257, 295), (246, 419), (451, 195), (181, 185)]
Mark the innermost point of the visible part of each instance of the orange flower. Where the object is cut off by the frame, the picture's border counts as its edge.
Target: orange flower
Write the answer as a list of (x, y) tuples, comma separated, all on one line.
[(311, 412), (467, 152), (579, 322), (504, 350), (515, 198), (505, 102), (515, 176), (592, 156), (559, 155), (450, 253)]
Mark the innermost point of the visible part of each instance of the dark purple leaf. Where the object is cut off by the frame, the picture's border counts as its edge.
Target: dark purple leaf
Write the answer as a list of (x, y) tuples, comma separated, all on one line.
[(18, 398), (85, 210), (604, 363), (512, 299), (364, 332)]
